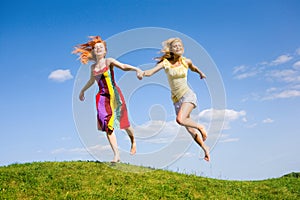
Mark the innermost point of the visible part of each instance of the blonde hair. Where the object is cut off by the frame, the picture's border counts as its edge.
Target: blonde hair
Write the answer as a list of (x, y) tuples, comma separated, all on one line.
[(85, 50), (167, 44)]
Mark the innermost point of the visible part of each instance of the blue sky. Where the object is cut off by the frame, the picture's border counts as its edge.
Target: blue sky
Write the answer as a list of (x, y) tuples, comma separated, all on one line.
[(255, 46)]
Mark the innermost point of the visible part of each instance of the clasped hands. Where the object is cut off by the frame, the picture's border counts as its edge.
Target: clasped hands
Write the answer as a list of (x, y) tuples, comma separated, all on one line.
[(140, 74)]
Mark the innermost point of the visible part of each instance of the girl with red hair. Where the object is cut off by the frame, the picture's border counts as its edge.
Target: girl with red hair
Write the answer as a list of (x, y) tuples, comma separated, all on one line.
[(110, 102)]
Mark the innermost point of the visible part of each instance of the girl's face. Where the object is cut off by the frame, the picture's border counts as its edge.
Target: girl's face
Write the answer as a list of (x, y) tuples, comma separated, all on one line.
[(99, 49), (177, 48)]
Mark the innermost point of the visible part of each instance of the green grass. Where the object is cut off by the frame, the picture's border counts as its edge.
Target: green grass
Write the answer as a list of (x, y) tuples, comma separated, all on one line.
[(95, 180)]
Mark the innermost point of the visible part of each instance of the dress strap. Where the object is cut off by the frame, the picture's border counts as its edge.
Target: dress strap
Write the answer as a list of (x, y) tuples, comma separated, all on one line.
[(184, 63), (166, 64)]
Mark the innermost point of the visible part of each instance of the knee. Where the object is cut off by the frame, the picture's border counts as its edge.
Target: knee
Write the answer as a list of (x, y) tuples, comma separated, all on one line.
[(193, 132), (179, 120)]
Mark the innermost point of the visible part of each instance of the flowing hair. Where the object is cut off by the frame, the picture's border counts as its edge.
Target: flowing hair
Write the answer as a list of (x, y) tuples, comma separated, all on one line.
[(85, 50), (167, 54)]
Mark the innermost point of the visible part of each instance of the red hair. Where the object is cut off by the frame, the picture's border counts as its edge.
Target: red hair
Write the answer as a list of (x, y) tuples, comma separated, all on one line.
[(85, 50)]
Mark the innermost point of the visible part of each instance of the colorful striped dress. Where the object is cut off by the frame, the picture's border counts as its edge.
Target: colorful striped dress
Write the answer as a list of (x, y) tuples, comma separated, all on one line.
[(110, 103)]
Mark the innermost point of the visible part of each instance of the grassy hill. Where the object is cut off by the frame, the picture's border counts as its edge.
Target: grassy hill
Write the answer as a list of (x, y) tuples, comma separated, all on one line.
[(96, 180)]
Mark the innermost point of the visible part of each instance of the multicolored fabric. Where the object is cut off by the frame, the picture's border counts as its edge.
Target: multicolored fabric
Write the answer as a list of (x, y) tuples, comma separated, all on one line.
[(110, 103)]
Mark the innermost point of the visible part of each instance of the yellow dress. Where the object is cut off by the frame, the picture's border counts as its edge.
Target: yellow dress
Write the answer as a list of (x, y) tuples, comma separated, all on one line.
[(177, 77)]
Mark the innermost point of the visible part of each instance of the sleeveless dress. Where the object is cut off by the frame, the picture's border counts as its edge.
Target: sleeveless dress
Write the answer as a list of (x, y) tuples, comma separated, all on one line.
[(177, 77), (110, 103)]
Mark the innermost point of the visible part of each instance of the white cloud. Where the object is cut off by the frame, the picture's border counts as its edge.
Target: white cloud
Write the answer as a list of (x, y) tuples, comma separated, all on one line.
[(241, 68), (296, 87), (155, 127), (185, 154), (242, 72), (246, 75), (229, 140), (66, 138), (272, 89), (289, 93), (60, 75), (268, 120), (83, 151), (281, 59), (227, 116), (286, 75), (160, 132), (225, 139), (298, 51), (251, 125), (296, 65)]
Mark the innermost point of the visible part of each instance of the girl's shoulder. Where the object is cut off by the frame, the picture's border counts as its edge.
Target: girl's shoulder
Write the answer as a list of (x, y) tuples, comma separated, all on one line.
[(109, 61), (186, 61), (93, 66), (166, 63)]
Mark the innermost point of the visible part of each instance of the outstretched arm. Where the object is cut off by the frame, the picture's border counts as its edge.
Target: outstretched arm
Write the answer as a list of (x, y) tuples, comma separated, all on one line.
[(155, 69), (122, 66), (195, 69), (90, 82), (125, 67)]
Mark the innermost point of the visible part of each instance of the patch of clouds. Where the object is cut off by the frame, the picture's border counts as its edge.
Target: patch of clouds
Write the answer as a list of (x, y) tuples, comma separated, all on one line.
[(268, 121), (246, 75), (251, 125), (288, 76), (226, 116), (276, 93), (161, 132), (226, 139), (229, 140), (281, 60), (296, 65), (298, 51), (82, 151), (238, 69), (60, 75)]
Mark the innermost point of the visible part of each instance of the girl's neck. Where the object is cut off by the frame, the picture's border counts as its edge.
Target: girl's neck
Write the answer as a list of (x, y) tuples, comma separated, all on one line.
[(175, 58), (100, 59)]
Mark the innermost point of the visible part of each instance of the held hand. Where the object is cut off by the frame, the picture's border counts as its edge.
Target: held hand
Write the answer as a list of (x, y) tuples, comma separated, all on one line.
[(81, 96), (140, 74)]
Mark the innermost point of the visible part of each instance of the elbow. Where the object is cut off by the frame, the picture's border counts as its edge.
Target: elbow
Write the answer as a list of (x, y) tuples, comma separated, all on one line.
[(126, 67), (147, 74)]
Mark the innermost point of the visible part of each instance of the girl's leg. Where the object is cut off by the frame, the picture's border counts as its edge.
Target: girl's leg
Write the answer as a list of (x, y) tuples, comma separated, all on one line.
[(199, 141), (132, 140), (113, 143), (183, 118)]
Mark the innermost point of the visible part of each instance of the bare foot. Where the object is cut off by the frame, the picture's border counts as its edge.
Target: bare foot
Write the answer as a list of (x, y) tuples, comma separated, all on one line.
[(203, 132), (207, 157), (116, 159), (206, 152), (133, 148)]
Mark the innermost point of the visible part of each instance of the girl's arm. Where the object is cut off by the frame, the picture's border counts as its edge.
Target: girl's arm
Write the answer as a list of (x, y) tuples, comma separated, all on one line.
[(155, 69), (195, 68), (125, 67), (90, 82), (122, 66)]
